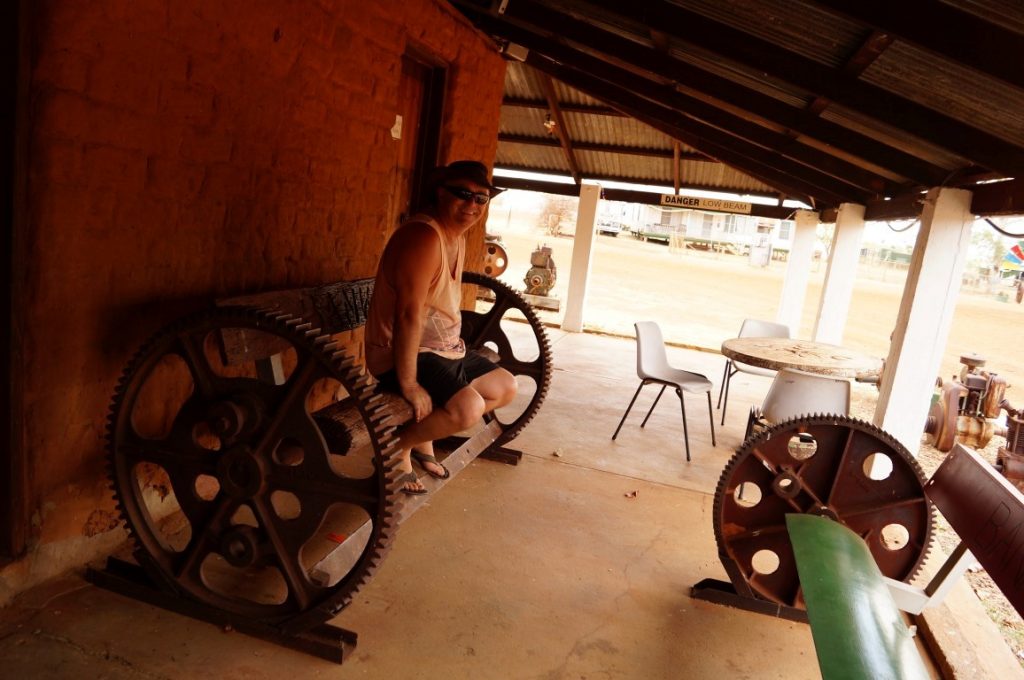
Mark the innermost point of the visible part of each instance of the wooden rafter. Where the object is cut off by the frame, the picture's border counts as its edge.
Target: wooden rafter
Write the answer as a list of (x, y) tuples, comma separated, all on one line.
[(652, 181), (560, 129), (770, 150), (765, 57), (726, 94), (868, 52), (676, 171), (944, 30), (606, 148), (771, 169), (587, 109), (626, 195)]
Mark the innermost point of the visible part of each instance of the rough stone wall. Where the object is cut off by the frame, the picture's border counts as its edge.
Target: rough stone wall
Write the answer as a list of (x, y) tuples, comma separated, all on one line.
[(182, 150)]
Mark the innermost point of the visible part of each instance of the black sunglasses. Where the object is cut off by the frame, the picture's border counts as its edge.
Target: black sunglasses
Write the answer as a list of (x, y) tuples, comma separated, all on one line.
[(467, 195)]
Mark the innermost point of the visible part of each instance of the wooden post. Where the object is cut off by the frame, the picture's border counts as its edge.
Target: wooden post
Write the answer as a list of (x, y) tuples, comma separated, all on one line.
[(925, 316), (582, 255), (798, 271), (834, 307)]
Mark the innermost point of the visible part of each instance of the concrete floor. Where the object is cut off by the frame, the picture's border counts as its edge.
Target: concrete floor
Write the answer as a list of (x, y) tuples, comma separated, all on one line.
[(575, 564)]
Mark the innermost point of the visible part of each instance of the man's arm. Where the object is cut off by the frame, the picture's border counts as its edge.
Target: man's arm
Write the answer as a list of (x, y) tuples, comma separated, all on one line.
[(415, 262)]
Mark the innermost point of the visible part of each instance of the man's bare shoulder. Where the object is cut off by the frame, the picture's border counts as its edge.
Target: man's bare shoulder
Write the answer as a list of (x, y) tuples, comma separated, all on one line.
[(414, 250)]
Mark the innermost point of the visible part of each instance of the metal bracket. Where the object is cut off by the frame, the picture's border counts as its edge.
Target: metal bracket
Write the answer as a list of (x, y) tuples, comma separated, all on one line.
[(721, 592)]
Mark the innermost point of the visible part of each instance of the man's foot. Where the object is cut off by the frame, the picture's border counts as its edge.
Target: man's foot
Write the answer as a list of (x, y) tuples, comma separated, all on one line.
[(412, 485), (431, 465)]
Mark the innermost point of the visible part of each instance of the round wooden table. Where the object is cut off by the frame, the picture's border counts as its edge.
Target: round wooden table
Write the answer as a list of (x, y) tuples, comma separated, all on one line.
[(803, 355)]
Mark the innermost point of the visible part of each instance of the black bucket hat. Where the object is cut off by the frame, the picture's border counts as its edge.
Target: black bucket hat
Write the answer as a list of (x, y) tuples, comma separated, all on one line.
[(473, 171)]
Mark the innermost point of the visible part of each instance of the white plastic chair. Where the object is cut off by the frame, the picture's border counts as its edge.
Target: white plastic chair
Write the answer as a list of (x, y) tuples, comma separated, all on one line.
[(750, 328), (652, 367), (796, 393)]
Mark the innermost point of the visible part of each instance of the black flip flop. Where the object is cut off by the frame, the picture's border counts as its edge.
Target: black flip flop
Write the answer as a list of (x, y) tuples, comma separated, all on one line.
[(422, 458), (410, 477)]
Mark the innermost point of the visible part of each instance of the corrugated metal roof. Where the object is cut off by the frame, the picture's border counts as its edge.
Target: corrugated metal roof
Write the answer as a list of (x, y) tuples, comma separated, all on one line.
[(957, 91), (953, 116), (618, 131), (802, 28)]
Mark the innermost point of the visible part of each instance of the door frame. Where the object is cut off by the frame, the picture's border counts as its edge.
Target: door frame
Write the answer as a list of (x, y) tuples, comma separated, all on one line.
[(14, 109), (428, 145)]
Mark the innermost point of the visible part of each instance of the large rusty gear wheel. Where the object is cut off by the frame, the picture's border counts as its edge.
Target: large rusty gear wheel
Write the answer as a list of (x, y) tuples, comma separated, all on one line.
[(230, 489), (533, 361), (834, 466)]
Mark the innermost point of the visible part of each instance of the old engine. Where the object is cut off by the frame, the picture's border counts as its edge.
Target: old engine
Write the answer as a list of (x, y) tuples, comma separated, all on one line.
[(967, 407), (540, 279)]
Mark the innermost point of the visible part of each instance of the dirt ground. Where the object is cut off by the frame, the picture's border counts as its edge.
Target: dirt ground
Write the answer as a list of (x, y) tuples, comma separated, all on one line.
[(700, 298)]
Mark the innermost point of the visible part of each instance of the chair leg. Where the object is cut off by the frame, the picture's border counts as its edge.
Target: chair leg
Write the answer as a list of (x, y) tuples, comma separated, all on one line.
[(628, 408), (653, 405), (725, 376), (711, 416), (725, 403), (686, 432)]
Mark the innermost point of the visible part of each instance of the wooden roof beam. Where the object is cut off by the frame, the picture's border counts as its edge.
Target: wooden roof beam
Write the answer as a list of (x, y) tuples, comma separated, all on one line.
[(560, 129), (606, 148), (765, 57), (868, 52), (758, 163), (943, 30), (520, 102), (836, 177), (716, 89), (627, 195), (652, 181)]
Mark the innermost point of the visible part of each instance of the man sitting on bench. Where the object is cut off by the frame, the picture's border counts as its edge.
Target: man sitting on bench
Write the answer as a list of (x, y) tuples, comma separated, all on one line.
[(413, 345)]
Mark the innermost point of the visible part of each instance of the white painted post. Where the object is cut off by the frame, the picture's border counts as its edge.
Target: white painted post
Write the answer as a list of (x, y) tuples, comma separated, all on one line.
[(834, 307), (926, 313), (798, 271), (582, 254)]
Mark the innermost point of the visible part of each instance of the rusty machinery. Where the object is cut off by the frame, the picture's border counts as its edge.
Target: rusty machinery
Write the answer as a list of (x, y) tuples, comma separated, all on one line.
[(540, 278), (834, 466), (966, 410), (495, 255), (966, 407), (268, 500)]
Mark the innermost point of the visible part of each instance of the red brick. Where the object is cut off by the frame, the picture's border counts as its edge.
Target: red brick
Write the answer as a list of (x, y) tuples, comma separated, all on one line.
[(114, 168), (65, 69), (194, 104), (126, 83), (57, 161), (206, 145), (228, 96), (172, 178)]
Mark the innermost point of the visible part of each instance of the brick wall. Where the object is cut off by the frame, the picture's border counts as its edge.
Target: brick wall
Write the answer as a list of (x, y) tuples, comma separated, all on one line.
[(183, 150)]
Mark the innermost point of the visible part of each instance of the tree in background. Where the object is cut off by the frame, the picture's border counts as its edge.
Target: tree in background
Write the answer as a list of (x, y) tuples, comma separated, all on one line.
[(555, 211)]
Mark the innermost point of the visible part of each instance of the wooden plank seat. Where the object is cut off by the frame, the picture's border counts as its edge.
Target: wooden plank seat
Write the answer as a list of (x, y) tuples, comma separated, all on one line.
[(337, 308)]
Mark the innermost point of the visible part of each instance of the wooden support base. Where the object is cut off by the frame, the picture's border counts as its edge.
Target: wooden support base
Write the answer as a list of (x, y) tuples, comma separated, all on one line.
[(125, 578), (720, 592)]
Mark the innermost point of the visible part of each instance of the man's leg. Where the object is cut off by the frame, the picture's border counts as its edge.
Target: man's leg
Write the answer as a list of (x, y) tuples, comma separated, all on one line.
[(492, 390), (497, 387)]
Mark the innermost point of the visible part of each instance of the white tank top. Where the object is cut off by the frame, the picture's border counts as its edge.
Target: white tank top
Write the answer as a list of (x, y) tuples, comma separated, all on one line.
[(442, 321)]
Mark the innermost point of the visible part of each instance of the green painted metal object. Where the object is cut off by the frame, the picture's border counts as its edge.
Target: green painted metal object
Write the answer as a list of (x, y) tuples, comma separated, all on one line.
[(858, 631)]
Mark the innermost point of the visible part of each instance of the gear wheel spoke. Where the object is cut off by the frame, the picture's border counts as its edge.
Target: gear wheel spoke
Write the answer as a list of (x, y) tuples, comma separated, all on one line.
[(195, 358), (163, 454), (834, 466), (259, 497)]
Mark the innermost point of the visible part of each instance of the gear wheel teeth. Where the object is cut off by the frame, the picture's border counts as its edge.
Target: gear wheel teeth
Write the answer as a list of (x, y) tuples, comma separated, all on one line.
[(543, 382), (127, 497), (746, 527)]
